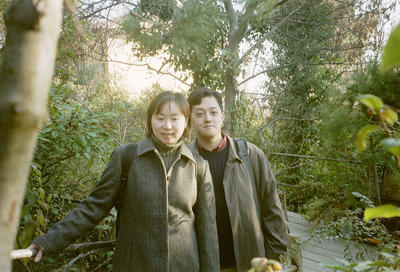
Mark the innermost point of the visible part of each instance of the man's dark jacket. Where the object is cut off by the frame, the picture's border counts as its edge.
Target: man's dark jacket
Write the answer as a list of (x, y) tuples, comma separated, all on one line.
[(258, 224), (167, 220)]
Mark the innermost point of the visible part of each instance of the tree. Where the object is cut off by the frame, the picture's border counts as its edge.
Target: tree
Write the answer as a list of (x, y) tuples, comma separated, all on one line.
[(26, 71), (313, 55), (202, 37)]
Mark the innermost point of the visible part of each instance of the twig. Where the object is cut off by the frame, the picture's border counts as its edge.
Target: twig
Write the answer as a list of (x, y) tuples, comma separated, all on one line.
[(149, 68), (292, 167), (263, 38), (102, 265), (87, 246), (80, 256), (313, 157)]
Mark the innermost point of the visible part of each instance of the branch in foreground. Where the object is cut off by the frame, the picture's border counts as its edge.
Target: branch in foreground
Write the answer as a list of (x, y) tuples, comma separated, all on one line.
[(74, 248), (151, 69), (80, 256), (313, 157), (88, 246)]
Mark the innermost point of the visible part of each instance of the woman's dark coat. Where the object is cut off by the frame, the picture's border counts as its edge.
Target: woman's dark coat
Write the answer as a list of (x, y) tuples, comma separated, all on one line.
[(167, 220)]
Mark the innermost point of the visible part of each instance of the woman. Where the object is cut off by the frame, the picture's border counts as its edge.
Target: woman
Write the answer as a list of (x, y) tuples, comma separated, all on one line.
[(167, 218)]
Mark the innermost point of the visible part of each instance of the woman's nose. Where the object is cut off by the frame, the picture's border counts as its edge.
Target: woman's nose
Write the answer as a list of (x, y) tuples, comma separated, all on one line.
[(167, 124)]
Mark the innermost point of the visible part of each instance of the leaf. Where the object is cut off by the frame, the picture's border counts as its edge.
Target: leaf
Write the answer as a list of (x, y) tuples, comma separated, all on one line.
[(102, 227), (388, 256), (361, 140), (40, 220), (371, 101), (342, 261), (373, 240), (380, 263), (389, 116), (334, 266), (384, 211), (391, 52), (392, 145)]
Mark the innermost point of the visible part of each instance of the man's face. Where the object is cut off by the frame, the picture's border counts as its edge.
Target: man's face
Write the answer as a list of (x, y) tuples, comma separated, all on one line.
[(207, 118)]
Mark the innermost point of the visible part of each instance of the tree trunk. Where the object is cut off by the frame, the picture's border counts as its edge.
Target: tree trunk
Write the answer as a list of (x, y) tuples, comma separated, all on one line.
[(237, 28), (231, 90), (33, 27)]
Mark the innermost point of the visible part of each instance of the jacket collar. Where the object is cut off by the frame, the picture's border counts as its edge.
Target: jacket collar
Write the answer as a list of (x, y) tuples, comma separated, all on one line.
[(146, 145), (233, 155)]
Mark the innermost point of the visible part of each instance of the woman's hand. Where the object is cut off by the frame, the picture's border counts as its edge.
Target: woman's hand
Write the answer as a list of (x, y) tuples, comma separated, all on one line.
[(36, 252)]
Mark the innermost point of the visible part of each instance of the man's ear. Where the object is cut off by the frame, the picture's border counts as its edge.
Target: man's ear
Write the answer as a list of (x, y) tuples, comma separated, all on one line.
[(223, 116)]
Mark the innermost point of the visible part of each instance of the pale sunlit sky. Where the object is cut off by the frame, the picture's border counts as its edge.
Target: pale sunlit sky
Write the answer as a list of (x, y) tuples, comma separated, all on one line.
[(134, 79)]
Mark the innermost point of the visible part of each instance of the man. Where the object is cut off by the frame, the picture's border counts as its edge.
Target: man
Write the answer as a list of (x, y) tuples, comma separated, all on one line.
[(250, 220)]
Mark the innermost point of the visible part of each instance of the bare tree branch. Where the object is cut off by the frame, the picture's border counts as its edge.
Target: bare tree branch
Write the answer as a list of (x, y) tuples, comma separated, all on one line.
[(74, 248), (263, 38), (231, 15), (158, 71), (97, 268), (313, 157), (68, 266)]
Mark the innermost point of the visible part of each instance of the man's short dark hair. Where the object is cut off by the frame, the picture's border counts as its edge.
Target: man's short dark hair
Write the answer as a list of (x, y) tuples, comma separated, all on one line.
[(197, 95)]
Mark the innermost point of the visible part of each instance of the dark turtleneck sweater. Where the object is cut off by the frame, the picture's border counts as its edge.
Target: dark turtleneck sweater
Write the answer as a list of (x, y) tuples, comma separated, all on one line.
[(169, 153)]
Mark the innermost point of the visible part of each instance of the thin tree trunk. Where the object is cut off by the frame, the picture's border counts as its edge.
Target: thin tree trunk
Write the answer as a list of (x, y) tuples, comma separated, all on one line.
[(231, 91), (33, 27), (237, 28)]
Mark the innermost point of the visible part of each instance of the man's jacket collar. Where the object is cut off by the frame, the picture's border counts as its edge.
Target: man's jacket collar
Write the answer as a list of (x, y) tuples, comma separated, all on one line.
[(147, 145), (231, 145), (233, 155)]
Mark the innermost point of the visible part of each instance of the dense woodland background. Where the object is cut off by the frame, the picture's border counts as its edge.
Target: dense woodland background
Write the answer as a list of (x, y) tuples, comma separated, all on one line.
[(315, 56)]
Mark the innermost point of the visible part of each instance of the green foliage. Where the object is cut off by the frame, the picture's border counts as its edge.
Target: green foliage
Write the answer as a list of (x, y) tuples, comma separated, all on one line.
[(247, 119), (351, 226), (370, 80), (297, 87), (391, 53), (72, 132), (161, 8), (361, 141), (371, 101), (392, 145), (36, 206), (383, 211), (388, 260), (322, 189), (192, 36)]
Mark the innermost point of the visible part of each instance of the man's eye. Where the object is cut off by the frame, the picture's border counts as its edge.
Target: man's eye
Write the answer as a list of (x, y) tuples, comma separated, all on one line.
[(214, 112), (199, 114), (160, 118)]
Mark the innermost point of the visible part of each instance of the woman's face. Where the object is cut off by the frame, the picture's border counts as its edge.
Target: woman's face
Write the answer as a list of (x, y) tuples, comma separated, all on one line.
[(168, 125)]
